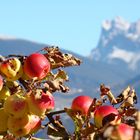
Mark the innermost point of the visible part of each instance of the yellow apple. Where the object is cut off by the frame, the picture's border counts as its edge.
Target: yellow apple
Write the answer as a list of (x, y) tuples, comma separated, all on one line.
[(16, 105), (24, 125), (3, 120), (11, 69), (19, 126), (39, 105), (4, 93)]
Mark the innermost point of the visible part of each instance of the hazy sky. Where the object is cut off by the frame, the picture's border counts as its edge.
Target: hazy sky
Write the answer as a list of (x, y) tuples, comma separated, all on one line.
[(71, 24)]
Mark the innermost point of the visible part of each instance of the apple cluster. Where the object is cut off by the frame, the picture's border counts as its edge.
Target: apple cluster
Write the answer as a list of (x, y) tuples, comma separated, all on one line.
[(27, 84), (103, 116), (23, 105)]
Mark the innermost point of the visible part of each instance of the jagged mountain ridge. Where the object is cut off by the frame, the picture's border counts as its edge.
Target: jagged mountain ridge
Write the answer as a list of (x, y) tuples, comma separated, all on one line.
[(119, 43)]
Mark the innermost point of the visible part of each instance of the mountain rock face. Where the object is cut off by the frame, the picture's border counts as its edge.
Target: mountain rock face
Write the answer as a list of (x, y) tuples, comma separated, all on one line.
[(119, 44)]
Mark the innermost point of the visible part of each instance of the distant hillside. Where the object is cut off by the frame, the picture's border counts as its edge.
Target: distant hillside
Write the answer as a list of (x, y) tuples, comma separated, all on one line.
[(18, 46), (114, 61), (87, 77)]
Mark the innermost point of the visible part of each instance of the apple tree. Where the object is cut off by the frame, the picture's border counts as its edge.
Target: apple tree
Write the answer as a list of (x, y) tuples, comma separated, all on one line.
[(27, 88)]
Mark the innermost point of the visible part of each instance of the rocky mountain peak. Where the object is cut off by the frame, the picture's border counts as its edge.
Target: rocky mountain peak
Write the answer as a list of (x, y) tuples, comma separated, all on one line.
[(119, 43), (118, 23)]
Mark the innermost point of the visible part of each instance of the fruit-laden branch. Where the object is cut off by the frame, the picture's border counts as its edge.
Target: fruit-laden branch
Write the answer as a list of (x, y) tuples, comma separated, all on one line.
[(27, 84)]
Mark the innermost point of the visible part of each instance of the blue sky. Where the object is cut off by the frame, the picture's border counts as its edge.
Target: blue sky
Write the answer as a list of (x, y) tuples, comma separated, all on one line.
[(74, 25)]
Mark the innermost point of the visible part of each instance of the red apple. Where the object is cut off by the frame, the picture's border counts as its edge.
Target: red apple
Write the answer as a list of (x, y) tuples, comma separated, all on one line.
[(82, 104), (123, 132), (105, 113), (1, 82), (39, 105), (36, 65)]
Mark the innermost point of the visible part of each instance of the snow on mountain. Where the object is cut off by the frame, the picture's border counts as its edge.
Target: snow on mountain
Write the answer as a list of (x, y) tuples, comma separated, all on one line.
[(121, 54), (106, 25), (129, 57), (117, 23), (119, 42)]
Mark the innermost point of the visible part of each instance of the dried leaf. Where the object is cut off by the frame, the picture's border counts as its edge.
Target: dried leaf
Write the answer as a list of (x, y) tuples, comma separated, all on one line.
[(55, 133), (78, 120), (127, 103), (134, 95), (76, 117), (108, 132), (124, 94), (137, 135), (50, 76), (89, 131), (111, 98), (106, 91), (130, 111), (130, 100), (62, 75), (59, 59), (55, 82), (37, 94)]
